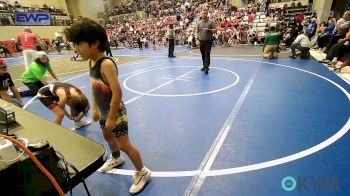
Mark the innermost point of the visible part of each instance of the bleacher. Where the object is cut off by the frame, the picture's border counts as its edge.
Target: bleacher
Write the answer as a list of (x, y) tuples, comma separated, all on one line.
[(7, 13), (289, 3), (290, 12), (291, 8), (259, 24), (148, 6), (6, 8)]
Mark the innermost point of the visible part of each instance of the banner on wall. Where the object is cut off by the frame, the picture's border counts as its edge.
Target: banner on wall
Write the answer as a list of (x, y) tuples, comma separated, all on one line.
[(33, 18)]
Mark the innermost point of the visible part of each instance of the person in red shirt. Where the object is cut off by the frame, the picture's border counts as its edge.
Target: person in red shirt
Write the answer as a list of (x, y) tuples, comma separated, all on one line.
[(28, 40), (250, 18), (299, 18)]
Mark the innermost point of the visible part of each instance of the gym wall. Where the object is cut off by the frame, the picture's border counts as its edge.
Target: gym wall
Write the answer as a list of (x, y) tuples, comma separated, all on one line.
[(58, 4), (8, 32)]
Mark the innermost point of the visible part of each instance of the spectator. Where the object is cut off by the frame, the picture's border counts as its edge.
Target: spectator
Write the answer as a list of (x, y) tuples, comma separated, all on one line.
[(341, 28), (302, 43), (28, 40), (288, 37), (323, 39), (178, 16), (6, 83), (319, 32), (189, 41), (299, 18), (57, 43), (338, 68), (139, 42), (115, 40), (311, 28), (337, 51), (4, 50), (108, 47)]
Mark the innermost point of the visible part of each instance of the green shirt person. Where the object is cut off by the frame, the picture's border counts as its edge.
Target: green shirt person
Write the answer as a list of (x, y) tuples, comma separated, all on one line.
[(34, 77), (272, 41), (273, 38)]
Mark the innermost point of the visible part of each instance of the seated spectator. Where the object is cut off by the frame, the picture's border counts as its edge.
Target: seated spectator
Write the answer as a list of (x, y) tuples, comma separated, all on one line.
[(178, 16), (302, 43), (4, 51), (298, 28), (337, 51), (288, 37), (299, 18), (272, 42), (17, 5), (324, 38), (311, 28), (6, 83), (319, 32), (341, 28)]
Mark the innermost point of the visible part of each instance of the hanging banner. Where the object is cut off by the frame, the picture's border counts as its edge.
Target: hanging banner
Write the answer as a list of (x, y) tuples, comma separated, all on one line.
[(33, 18)]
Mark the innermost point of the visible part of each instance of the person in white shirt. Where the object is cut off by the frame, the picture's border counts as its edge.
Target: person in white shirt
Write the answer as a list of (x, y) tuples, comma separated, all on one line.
[(302, 43), (189, 41)]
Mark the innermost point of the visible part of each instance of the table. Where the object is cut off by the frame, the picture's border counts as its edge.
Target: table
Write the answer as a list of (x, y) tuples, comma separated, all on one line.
[(85, 154)]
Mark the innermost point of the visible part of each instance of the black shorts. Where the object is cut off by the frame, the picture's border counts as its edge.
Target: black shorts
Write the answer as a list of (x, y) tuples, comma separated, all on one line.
[(121, 128), (121, 124), (49, 101)]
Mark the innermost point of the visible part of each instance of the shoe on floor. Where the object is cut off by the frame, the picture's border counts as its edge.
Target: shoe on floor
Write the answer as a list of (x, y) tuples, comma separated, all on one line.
[(333, 63), (271, 56), (202, 69), (111, 163), (337, 70), (330, 65), (206, 71), (324, 61), (140, 180), (292, 57), (82, 123)]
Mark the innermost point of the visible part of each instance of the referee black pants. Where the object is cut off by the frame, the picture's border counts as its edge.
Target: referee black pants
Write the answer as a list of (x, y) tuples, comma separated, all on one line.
[(205, 48), (171, 47)]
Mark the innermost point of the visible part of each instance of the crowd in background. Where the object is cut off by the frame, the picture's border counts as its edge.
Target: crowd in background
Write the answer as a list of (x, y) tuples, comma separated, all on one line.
[(8, 10), (235, 25)]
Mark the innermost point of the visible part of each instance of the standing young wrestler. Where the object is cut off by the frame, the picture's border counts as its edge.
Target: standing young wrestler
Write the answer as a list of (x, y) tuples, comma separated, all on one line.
[(57, 95), (90, 39)]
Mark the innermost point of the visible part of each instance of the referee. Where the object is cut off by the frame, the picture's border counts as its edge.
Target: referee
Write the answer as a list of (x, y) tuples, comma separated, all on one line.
[(205, 29), (171, 39)]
